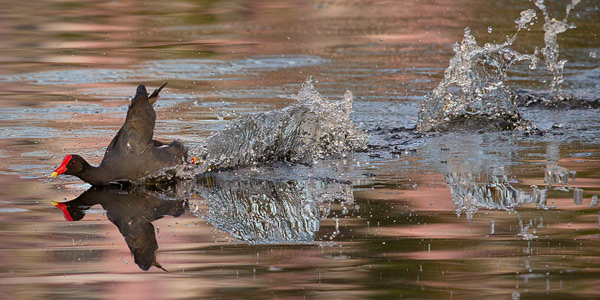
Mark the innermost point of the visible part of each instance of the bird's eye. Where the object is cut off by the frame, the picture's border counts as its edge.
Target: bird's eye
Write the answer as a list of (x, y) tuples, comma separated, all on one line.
[(72, 162)]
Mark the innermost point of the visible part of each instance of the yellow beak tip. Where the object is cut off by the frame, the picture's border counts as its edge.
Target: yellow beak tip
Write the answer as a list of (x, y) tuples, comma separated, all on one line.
[(54, 203), (54, 174)]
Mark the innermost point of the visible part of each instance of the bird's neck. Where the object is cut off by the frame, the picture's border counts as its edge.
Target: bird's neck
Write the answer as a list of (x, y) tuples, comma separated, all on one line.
[(92, 175)]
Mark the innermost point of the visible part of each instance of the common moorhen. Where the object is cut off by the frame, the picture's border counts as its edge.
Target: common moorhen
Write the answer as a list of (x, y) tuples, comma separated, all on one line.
[(132, 153)]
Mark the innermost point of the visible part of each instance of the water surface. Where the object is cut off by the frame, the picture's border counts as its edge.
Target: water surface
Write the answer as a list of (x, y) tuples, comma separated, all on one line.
[(439, 216)]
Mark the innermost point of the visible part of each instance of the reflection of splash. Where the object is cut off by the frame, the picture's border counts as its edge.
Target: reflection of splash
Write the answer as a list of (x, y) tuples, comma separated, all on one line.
[(473, 92), (471, 192), (264, 211), (558, 177), (310, 129), (555, 175)]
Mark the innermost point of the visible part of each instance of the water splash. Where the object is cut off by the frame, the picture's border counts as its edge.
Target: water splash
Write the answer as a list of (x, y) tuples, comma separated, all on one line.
[(310, 129), (473, 93), (552, 28)]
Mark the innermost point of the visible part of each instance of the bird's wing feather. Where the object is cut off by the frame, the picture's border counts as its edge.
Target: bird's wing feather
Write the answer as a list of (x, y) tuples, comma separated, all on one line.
[(154, 96), (136, 133)]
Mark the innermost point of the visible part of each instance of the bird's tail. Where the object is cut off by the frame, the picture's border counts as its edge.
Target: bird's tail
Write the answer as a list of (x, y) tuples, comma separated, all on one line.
[(156, 264)]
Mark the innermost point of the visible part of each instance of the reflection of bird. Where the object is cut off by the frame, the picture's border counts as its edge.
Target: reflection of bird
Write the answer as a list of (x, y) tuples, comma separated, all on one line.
[(132, 153), (132, 212)]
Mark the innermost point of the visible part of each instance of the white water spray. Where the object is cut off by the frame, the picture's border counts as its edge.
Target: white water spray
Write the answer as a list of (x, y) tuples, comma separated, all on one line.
[(552, 28), (473, 91)]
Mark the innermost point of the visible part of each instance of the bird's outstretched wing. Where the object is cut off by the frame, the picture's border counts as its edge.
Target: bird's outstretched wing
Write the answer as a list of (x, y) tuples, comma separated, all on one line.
[(136, 133), (154, 96)]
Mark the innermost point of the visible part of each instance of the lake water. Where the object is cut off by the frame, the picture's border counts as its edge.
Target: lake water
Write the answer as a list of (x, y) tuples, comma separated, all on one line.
[(483, 215)]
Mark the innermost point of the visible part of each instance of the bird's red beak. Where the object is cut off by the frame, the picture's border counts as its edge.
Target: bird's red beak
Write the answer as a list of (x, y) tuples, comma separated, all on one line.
[(63, 167), (63, 207)]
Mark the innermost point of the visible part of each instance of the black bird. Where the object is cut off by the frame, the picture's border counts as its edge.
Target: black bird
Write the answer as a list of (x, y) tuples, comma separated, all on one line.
[(132, 153)]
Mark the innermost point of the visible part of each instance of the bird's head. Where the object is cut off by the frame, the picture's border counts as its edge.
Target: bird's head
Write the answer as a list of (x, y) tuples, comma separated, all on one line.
[(71, 165)]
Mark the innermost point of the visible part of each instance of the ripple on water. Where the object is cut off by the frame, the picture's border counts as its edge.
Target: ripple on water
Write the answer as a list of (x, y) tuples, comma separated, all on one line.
[(27, 132), (187, 69), (190, 69), (12, 210), (76, 76)]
